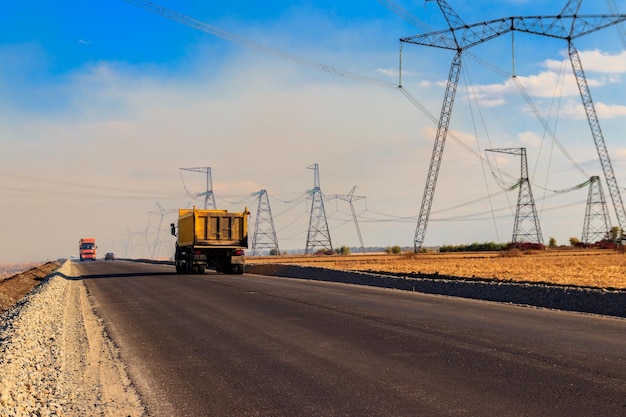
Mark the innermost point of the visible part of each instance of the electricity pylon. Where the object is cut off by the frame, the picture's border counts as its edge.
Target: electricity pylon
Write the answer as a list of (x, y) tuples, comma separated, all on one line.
[(318, 234), (597, 225), (209, 197), (162, 212), (567, 25), (264, 231), (350, 197), (526, 228)]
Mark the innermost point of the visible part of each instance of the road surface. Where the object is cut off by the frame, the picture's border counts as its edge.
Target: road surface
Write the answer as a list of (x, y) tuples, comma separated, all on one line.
[(249, 345)]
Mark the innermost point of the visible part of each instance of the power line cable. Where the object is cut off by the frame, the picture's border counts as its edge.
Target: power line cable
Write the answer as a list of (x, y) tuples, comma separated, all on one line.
[(212, 30)]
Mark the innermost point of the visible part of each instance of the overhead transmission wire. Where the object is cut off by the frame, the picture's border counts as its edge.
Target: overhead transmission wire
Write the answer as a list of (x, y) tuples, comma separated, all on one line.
[(298, 199), (556, 96), (149, 194), (403, 13), (212, 30), (622, 34), (620, 28), (471, 95), (189, 193), (193, 23), (530, 103), (205, 27), (472, 217), (394, 7), (247, 198)]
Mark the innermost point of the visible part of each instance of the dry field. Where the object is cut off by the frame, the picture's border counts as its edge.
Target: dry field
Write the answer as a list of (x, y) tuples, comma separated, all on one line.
[(7, 270), (587, 268)]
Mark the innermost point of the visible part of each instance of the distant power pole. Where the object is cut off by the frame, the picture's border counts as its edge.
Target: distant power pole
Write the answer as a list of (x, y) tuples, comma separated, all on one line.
[(350, 197), (162, 212), (318, 234), (597, 225), (209, 197), (526, 229), (264, 231)]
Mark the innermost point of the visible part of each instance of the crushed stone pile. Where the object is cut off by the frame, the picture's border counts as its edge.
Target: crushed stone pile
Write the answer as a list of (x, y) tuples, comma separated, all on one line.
[(56, 359)]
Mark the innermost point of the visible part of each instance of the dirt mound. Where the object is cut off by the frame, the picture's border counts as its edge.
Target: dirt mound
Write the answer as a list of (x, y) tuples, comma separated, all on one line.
[(14, 288)]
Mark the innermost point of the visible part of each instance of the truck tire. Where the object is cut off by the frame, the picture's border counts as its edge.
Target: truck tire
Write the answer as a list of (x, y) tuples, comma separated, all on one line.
[(239, 269), (187, 265)]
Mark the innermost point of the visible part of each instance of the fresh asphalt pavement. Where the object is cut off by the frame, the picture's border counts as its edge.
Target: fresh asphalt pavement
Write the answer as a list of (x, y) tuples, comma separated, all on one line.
[(250, 345)]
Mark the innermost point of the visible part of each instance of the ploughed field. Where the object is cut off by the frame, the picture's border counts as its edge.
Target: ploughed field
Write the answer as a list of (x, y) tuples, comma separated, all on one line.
[(583, 268)]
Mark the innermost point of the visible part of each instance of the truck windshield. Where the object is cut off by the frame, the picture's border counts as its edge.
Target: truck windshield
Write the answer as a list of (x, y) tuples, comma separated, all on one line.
[(87, 246)]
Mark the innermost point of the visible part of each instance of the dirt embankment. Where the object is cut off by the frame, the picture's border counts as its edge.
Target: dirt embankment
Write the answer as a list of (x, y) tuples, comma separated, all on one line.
[(588, 281), (580, 268), (15, 287)]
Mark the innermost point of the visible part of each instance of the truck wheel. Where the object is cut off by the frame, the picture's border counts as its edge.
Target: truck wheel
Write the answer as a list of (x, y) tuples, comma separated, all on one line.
[(189, 264), (178, 268), (239, 269), (201, 269)]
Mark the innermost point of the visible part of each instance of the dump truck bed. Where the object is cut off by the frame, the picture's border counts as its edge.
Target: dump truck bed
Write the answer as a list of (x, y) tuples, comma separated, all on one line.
[(212, 228)]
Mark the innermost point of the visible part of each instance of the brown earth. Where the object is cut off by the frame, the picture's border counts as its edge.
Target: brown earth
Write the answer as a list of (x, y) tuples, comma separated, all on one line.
[(582, 268), (14, 288)]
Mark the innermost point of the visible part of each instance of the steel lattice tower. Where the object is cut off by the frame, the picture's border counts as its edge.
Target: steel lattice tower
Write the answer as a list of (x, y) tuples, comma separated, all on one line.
[(209, 197), (567, 25), (597, 224), (318, 234), (526, 229), (350, 197), (264, 231)]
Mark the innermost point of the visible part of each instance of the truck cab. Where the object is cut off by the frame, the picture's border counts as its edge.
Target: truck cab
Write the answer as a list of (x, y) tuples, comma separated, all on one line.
[(87, 249)]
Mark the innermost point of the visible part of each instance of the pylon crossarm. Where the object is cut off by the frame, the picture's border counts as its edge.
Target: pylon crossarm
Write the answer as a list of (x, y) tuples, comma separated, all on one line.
[(560, 27)]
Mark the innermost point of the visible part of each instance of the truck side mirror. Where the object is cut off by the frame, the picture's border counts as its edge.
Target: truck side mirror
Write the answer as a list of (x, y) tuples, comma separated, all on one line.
[(173, 226)]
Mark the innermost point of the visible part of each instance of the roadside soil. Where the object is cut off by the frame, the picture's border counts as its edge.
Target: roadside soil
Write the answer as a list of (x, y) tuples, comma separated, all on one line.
[(15, 287), (580, 268)]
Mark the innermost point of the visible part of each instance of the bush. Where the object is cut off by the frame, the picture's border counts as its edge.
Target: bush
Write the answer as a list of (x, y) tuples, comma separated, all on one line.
[(344, 250), (395, 250), (525, 246), (473, 247)]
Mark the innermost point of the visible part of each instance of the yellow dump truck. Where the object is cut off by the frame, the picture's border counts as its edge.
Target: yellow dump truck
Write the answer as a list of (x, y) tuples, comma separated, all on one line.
[(210, 238)]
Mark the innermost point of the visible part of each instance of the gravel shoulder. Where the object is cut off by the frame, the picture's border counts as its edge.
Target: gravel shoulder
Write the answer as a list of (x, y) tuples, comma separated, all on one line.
[(56, 359)]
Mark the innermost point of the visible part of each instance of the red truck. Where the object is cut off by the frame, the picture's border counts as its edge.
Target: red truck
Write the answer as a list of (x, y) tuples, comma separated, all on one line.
[(87, 248)]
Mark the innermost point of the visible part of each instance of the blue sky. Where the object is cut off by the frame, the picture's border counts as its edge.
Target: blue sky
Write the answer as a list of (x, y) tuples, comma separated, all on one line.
[(102, 103)]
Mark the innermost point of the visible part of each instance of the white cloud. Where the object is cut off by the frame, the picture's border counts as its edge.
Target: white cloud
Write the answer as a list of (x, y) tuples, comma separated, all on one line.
[(594, 61), (530, 139)]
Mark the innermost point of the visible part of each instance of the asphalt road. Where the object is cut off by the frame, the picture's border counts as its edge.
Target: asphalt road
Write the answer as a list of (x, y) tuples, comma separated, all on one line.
[(248, 345)]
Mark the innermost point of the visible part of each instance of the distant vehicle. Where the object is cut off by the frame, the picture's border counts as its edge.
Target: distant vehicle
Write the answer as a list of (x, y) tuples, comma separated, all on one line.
[(87, 248), (210, 238), (109, 256)]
